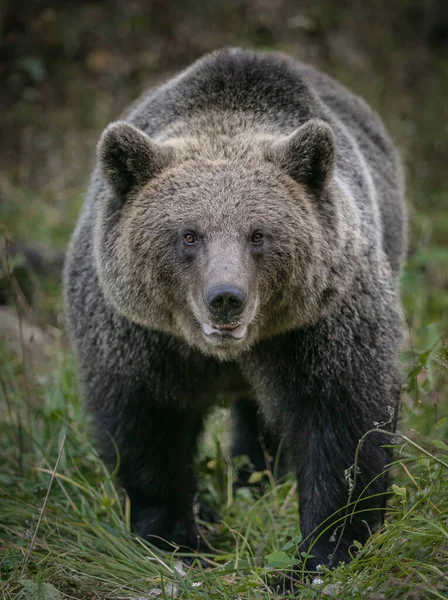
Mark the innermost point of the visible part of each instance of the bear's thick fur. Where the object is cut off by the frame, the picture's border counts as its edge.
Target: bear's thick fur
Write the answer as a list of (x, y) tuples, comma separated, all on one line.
[(242, 238)]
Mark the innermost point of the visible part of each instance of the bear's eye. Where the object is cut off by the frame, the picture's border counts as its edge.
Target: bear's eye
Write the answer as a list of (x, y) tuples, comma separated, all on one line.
[(190, 238), (257, 237)]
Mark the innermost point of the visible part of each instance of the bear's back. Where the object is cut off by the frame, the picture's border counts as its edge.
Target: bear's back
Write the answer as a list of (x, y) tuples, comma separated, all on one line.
[(233, 80)]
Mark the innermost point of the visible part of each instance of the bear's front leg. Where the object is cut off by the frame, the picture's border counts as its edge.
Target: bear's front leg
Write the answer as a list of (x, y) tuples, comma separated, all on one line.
[(324, 387), (161, 485), (153, 441), (340, 503)]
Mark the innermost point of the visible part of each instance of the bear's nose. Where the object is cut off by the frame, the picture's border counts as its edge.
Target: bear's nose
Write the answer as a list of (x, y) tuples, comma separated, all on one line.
[(225, 301)]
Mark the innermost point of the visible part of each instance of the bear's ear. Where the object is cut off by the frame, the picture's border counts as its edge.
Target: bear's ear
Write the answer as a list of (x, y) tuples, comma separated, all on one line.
[(308, 154), (129, 158)]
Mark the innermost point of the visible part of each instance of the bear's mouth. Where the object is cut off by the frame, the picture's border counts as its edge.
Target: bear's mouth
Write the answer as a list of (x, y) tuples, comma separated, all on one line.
[(237, 332)]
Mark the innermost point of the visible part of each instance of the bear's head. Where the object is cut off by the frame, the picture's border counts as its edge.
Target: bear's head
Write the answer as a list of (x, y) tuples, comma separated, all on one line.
[(225, 241)]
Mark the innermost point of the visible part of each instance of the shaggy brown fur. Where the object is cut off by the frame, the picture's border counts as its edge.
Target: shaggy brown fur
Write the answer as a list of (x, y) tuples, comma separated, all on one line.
[(242, 237)]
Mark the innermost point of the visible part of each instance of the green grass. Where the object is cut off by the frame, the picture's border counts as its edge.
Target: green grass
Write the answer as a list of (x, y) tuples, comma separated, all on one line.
[(83, 547), (78, 543)]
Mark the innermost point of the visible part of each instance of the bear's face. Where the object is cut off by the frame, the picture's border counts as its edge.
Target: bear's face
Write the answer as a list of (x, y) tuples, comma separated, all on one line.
[(220, 252)]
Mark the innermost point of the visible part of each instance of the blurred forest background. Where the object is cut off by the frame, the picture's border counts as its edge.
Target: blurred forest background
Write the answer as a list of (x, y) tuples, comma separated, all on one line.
[(68, 68)]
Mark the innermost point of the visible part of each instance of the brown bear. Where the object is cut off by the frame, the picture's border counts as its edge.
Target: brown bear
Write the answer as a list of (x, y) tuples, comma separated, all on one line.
[(242, 238)]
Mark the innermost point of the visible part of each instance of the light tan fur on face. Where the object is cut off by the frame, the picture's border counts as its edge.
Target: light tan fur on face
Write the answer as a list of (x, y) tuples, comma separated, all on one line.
[(223, 188)]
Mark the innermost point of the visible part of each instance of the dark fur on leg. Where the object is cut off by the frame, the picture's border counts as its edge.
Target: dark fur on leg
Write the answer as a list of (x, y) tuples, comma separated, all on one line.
[(341, 393)]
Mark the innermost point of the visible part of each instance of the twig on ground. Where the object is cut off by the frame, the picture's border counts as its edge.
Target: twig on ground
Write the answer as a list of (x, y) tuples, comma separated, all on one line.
[(53, 474)]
